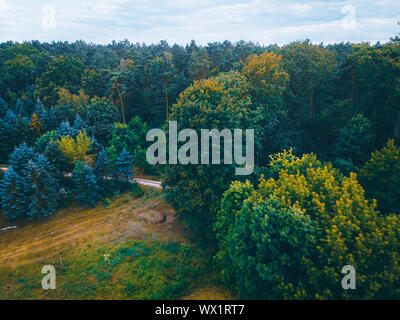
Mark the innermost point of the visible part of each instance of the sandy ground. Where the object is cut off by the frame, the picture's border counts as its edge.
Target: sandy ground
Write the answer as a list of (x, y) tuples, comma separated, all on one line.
[(74, 227)]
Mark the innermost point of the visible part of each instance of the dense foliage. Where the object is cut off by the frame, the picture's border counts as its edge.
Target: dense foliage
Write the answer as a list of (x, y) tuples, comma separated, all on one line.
[(73, 125), (291, 236)]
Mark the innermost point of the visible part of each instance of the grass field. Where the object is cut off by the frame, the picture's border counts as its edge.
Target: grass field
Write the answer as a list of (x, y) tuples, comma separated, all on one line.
[(107, 253)]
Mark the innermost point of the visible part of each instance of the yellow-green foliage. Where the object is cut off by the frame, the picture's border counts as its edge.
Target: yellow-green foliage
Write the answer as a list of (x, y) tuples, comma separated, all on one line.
[(265, 73), (291, 236), (76, 149), (36, 125), (76, 101)]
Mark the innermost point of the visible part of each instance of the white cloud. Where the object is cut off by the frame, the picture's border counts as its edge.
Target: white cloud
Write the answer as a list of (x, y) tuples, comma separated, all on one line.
[(272, 21)]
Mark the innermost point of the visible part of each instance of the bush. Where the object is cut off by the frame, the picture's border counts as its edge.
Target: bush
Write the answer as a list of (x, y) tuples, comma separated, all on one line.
[(291, 236)]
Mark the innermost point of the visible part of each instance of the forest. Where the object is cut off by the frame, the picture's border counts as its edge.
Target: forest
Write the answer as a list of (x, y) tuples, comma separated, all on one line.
[(324, 192)]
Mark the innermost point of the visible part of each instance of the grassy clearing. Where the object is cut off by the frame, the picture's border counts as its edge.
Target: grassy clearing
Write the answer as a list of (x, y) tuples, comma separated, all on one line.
[(131, 270), (106, 253)]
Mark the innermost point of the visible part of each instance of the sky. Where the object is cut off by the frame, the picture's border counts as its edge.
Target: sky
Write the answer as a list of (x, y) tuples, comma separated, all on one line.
[(180, 21)]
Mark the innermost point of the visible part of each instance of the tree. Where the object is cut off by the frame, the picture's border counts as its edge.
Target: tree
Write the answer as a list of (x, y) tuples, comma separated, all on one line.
[(103, 170), (36, 125), (371, 75), (7, 139), (267, 82), (42, 175), (75, 102), (162, 76), (380, 177), (355, 141), (86, 188), (77, 149), (124, 167), (61, 72), (101, 117), (266, 77), (199, 65), (285, 238), (29, 190), (94, 82), (195, 190), (312, 70), (132, 137), (65, 129)]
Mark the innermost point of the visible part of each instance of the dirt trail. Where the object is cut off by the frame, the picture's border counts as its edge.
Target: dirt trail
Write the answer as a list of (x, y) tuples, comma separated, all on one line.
[(76, 227)]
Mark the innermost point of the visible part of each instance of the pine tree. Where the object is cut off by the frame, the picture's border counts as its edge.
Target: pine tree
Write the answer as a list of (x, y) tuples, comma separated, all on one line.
[(15, 195), (44, 188), (87, 190), (49, 119), (20, 108), (6, 141), (103, 169), (79, 124), (36, 125), (65, 129), (124, 167), (23, 132), (30, 186), (3, 108), (20, 157)]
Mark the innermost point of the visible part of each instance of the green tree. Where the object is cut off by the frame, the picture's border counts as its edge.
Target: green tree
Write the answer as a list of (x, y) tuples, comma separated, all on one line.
[(62, 72), (195, 190), (101, 115), (290, 237), (380, 177), (355, 141)]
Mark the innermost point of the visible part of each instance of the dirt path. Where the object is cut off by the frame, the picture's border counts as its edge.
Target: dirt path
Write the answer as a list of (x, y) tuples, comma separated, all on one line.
[(76, 227)]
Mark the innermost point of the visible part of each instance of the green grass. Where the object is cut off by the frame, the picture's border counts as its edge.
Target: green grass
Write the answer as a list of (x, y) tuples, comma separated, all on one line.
[(129, 270)]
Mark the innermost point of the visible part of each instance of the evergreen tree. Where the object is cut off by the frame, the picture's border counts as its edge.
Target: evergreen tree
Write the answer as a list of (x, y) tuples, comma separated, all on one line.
[(15, 195), (36, 125), (380, 176), (30, 186), (103, 169), (87, 190), (124, 167), (23, 132), (44, 188), (6, 140), (65, 129), (79, 124), (3, 108), (20, 157), (20, 108)]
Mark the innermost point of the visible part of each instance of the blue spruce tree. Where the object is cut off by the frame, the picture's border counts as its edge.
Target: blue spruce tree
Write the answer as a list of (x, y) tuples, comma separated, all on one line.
[(103, 169), (79, 124), (3, 108), (87, 190), (65, 129), (15, 195), (124, 167), (44, 188), (20, 109), (29, 189)]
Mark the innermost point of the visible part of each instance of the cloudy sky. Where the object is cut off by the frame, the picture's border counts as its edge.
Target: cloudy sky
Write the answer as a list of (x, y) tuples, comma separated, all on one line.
[(263, 21)]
